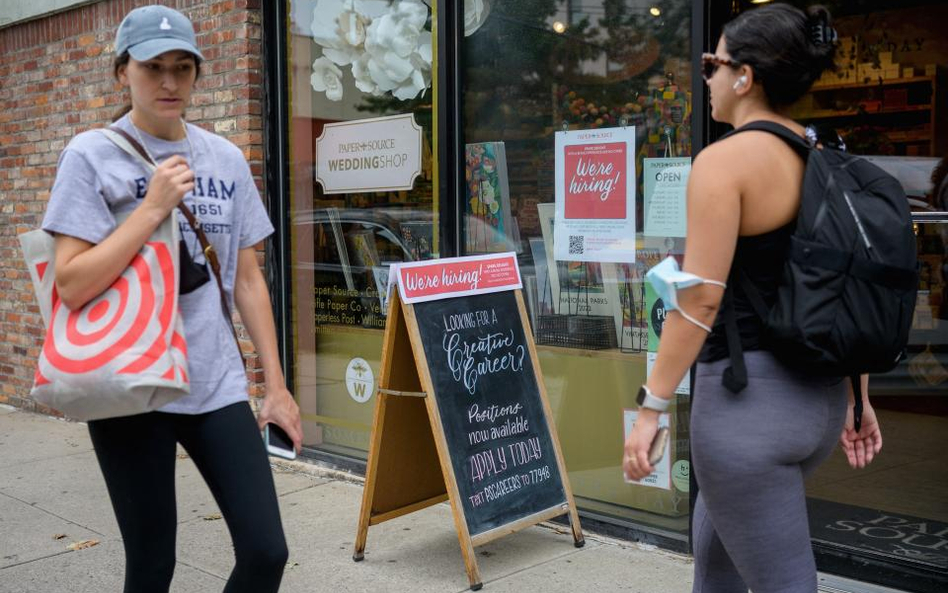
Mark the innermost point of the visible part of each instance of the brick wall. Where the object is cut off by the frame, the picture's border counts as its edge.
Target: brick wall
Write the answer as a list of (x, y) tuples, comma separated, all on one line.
[(56, 81)]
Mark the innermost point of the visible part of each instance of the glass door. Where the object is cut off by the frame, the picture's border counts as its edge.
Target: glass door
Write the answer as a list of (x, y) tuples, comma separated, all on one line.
[(577, 141), (362, 195)]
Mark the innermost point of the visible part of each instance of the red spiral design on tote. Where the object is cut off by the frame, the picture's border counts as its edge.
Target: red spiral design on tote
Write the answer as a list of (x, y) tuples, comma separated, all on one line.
[(138, 308)]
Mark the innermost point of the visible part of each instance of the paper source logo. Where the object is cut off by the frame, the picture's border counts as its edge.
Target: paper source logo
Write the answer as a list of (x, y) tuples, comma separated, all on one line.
[(359, 380)]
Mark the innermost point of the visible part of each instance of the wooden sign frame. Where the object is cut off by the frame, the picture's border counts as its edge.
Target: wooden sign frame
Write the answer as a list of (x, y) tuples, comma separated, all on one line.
[(409, 464)]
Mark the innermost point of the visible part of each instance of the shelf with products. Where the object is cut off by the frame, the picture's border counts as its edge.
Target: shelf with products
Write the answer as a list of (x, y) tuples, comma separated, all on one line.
[(879, 82), (897, 116), (659, 108), (832, 113)]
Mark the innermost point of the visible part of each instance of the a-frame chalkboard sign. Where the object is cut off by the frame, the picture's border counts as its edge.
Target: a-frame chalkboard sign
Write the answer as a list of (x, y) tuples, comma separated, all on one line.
[(461, 412)]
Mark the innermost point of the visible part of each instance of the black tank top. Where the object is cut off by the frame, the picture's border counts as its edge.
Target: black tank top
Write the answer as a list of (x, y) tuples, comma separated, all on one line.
[(761, 257)]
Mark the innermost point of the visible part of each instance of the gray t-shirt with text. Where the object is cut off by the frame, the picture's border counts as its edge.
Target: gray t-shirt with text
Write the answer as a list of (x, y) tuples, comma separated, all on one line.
[(96, 180)]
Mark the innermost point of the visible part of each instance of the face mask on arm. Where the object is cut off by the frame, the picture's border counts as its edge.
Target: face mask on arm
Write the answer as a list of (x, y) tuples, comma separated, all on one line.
[(667, 279)]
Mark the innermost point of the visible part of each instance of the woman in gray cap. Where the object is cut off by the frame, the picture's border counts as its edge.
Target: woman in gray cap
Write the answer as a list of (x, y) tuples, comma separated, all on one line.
[(158, 61)]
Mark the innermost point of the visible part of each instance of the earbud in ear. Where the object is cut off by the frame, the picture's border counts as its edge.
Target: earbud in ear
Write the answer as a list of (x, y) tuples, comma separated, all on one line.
[(740, 82)]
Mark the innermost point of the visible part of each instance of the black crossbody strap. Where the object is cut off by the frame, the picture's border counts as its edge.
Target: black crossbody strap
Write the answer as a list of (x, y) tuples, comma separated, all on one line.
[(734, 377), (753, 296), (856, 380), (209, 252)]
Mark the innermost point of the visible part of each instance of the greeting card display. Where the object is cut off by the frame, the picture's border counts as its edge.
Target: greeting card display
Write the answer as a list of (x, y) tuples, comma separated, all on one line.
[(488, 224), (576, 289)]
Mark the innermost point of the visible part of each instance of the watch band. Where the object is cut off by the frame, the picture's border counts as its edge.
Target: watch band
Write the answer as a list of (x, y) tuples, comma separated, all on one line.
[(647, 399)]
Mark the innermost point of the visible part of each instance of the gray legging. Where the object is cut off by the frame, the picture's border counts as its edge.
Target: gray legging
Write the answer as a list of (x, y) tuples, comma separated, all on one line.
[(751, 452)]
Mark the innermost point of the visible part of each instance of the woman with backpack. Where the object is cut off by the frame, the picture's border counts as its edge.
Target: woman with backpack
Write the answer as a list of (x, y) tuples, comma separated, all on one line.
[(157, 60), (751, 450)]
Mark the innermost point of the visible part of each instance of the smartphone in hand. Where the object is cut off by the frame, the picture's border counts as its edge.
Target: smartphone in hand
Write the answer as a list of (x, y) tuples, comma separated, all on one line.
[(278, 442), (657, 449)]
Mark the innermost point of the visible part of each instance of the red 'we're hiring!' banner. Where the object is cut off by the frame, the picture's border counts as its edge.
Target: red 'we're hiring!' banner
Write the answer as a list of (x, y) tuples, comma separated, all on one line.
[(595, 180), (457, 276)]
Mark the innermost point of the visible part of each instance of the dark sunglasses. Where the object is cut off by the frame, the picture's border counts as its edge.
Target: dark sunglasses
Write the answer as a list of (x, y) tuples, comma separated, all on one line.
[(711, 62)]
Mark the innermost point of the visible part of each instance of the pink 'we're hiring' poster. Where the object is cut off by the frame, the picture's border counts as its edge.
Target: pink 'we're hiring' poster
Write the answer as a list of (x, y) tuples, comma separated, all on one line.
[(595, 195)]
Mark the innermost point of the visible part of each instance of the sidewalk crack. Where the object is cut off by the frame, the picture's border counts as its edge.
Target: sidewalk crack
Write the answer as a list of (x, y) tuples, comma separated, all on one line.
[(48, 512), (203, 570), (32, 560), (42, 459)]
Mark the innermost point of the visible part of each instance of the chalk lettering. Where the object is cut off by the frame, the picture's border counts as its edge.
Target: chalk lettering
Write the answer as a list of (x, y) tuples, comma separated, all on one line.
[(487, 463), (495, 352), (491, 414), (523, 452)]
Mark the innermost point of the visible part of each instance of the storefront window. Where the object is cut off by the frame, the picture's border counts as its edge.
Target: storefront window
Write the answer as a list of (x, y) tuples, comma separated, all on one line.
[(577, 117), (362, 195), (577, 126)]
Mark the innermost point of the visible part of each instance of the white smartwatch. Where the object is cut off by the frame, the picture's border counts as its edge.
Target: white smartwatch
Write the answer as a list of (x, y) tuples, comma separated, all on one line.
[(647, 399)]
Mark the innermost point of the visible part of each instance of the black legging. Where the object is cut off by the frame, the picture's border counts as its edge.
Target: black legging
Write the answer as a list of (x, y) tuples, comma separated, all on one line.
[(137, 457)]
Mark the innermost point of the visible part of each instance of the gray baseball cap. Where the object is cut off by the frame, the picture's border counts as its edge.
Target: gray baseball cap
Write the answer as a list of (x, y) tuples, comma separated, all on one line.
[(153, 30)]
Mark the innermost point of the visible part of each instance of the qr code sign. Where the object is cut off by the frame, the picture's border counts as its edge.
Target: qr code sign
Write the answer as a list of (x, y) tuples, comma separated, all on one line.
[(576, 244)]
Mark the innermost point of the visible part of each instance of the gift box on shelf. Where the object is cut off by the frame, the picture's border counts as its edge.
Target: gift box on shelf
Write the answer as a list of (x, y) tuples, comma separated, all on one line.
[(895, 97)]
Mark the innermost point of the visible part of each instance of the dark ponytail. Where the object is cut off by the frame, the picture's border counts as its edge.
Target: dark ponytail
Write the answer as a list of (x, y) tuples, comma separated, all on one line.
[(787, 49), (823, 39), (118, 62)]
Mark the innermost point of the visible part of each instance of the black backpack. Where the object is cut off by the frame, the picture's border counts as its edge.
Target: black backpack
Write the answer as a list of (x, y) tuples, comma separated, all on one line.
[(846, 297)]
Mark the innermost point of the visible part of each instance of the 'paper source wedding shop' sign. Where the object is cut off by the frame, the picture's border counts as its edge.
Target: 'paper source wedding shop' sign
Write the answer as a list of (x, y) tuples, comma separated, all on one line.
[(379, 154)]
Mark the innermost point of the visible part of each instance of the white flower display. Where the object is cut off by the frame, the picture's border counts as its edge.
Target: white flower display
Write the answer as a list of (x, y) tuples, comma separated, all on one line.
[(327, 78), (352, 27), (475, 13), (325, 32), (363, 78), (398, 31), (385, 44)]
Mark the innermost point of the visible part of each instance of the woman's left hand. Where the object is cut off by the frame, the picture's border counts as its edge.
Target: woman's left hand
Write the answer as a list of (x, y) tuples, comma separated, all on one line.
[(861, 447), (635, 460), (281, 409)]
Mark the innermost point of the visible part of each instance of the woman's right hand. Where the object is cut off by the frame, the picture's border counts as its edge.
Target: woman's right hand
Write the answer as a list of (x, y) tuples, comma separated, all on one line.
[(84, 270), (171, 180)]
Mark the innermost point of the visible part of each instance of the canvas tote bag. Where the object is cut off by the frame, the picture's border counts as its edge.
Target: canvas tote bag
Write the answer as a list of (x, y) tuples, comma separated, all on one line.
[(124, 352)]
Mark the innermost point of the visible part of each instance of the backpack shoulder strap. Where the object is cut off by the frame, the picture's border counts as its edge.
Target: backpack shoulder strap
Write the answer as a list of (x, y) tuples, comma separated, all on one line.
[(798, 143)]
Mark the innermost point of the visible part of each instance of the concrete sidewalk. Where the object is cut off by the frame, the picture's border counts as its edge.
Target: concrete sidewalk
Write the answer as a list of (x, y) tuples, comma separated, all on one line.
[(52, 496)]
